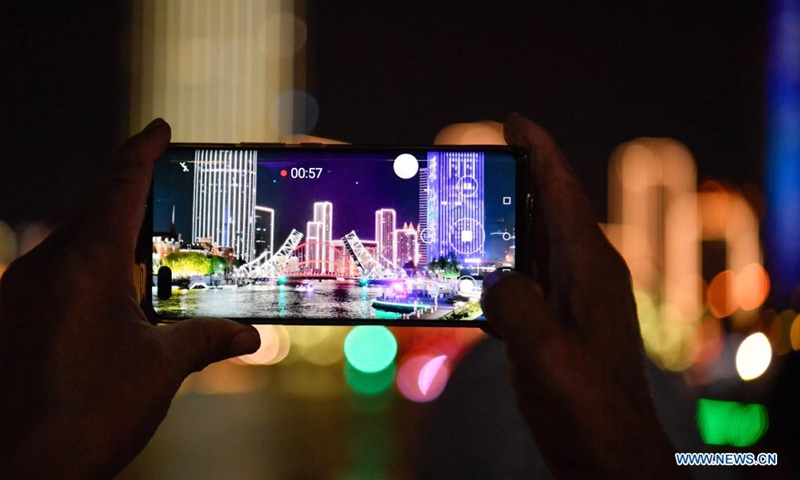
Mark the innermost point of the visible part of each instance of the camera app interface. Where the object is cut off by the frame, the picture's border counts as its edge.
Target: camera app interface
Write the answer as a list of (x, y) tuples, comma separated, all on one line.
[(330, 234)]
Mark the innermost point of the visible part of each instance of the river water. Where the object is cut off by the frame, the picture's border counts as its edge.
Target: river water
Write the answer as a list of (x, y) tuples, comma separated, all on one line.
[(328, 300)]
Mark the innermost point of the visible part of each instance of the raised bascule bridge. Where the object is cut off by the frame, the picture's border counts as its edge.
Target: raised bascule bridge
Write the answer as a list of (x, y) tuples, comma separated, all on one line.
[(291, 261)]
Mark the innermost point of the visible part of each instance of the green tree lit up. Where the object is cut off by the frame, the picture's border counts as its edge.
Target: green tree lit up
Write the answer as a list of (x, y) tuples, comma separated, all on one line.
[(188, 264), (469, 311), (218, 265)]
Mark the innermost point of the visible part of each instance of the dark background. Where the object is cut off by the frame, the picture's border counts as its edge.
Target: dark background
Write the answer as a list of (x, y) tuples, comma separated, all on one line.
[(593, 74)]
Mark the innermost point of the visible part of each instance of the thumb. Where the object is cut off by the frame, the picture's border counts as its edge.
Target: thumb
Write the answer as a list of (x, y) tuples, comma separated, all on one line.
[(515, 307), (194, 344)]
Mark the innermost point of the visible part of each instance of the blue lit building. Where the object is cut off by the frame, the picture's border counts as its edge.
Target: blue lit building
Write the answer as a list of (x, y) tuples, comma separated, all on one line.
[(456, 214)]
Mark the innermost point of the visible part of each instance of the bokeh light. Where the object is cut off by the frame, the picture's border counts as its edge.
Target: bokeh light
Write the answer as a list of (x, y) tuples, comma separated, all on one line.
[(751, 287), (294, 112), (731, 423), (753, 356), (225, 378), (667, 336), (369, 384), (292, 32), (319, 345), (710, 341), (29, 235), (370, 348), (422, 378), (274, 346), (476, 133), (8, 246), (795, 333), (719, 297)]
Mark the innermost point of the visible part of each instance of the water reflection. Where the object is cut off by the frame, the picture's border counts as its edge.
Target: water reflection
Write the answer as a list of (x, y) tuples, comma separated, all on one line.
[(328, 300)]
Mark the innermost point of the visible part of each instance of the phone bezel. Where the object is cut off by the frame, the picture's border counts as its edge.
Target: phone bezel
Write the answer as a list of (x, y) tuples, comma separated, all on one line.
[(523, 226)]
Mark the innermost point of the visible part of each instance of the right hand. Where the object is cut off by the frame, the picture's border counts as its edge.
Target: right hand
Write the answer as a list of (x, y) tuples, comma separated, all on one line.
[(573, 337)]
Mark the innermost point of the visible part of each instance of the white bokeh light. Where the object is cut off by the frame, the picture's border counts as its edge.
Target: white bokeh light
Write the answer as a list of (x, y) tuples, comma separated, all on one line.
[(754, 356), (406, 166)]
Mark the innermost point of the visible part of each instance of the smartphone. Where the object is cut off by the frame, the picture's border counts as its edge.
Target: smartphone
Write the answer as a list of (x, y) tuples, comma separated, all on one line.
[(332, 234)]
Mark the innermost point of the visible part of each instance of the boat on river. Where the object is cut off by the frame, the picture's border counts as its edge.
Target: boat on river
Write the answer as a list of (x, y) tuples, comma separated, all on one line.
[(399, 307), (307, 287)]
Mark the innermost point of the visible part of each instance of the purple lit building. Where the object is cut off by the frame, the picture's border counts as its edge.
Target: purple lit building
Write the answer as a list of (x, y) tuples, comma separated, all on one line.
[(455, 205), (385, 221)]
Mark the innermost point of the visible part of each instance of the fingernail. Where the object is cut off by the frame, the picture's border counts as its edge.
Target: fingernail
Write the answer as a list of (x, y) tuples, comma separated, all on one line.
[(155, 124), (246, 341)]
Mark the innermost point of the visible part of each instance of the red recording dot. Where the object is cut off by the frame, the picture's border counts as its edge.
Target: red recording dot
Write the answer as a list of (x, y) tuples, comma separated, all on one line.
[(284, 173)]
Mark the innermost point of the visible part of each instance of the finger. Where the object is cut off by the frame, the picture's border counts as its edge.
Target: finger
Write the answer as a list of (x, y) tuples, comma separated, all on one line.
[(298, 139), (488, 281), (118, 210), (568, 215), (485, 132), (515, 307), (194, 344)]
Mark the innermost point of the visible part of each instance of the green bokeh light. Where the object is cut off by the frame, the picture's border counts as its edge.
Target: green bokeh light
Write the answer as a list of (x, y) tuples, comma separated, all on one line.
[(731, 423), (369, 383), (370, 348)]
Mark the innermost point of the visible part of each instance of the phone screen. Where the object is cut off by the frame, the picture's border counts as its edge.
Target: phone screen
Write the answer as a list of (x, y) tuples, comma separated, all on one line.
[(331, 234)]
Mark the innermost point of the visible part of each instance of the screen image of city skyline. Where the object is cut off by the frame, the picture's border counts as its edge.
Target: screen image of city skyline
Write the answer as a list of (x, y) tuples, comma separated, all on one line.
[(229, 212)]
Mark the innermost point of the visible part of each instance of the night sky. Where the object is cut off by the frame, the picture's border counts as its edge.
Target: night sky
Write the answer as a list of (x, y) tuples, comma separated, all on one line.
[(357, 185), (594, 74)]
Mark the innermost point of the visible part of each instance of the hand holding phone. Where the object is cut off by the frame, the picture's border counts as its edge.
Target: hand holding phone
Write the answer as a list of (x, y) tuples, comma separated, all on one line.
[(572, 335), (85, 378)]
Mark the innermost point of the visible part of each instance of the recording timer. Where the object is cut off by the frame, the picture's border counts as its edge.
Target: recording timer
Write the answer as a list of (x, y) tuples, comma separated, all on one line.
[(302, 172)]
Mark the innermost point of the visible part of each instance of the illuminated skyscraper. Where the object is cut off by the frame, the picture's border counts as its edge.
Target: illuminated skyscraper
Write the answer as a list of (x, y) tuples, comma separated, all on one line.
[(323, 213), (455, 206), (224, 199), (422, 226), (265, 230), (407, 245), (385, 221), (313, 236)]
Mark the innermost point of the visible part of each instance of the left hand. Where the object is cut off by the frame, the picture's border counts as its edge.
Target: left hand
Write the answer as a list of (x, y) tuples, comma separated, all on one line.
[(85, 379)]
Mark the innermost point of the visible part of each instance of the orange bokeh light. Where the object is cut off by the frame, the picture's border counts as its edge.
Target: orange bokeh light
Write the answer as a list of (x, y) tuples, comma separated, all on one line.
[(751, 287), (795, 333), (721, 303)]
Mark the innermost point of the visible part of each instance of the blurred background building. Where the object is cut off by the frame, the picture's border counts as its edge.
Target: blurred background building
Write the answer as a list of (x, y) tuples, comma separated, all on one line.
[(681, 118)]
